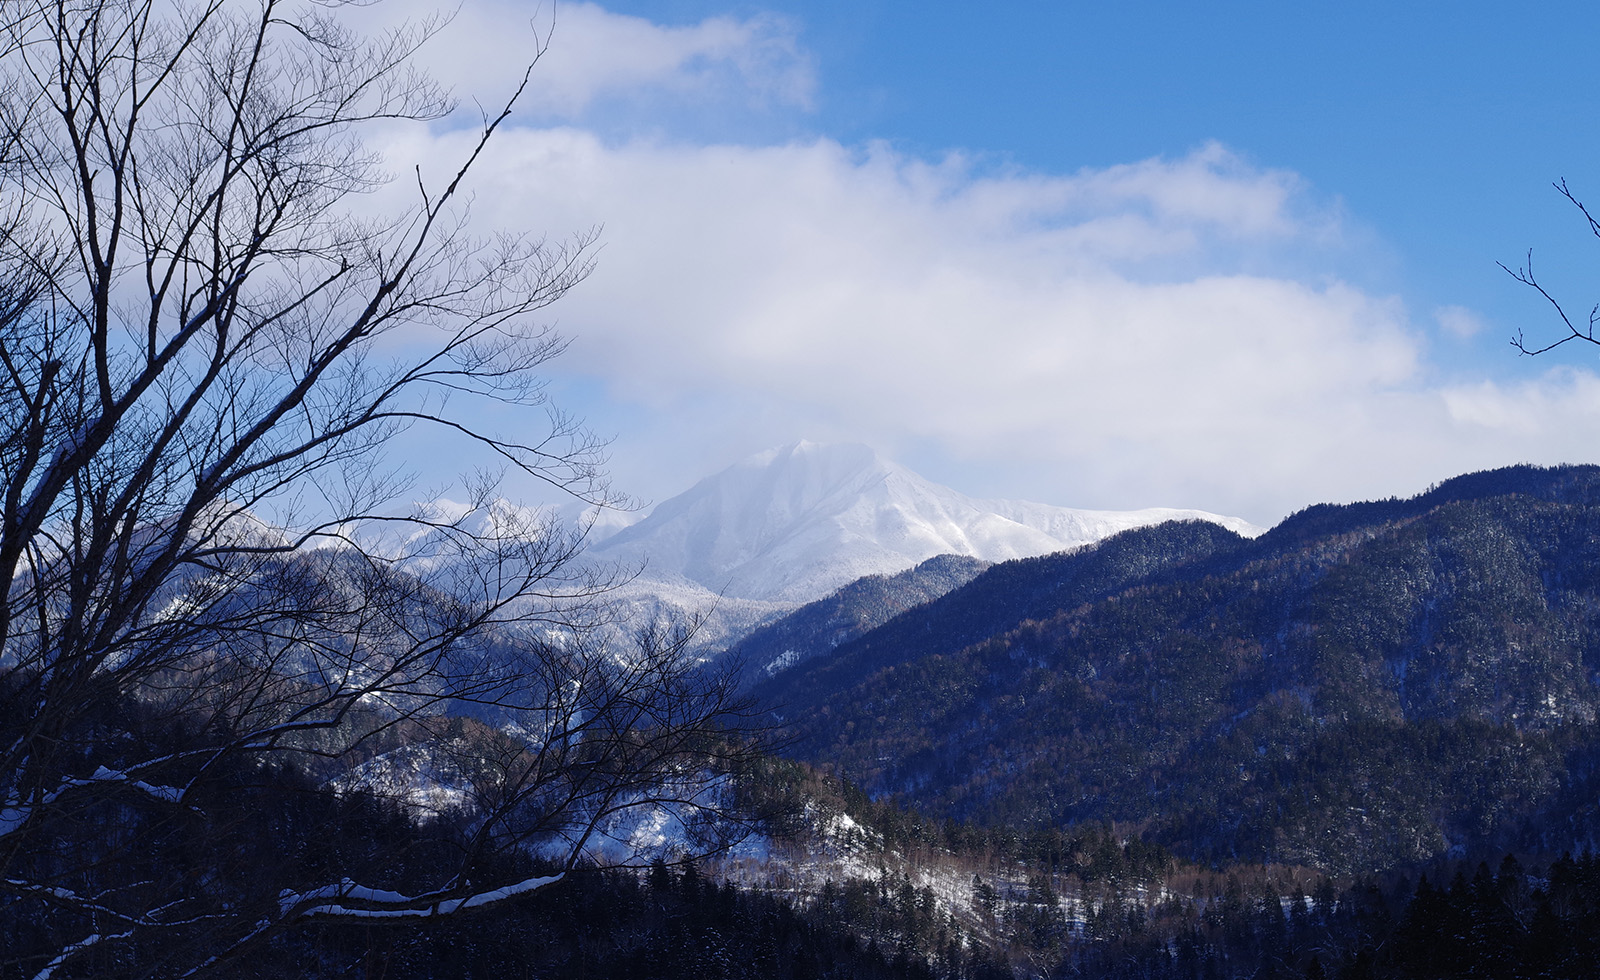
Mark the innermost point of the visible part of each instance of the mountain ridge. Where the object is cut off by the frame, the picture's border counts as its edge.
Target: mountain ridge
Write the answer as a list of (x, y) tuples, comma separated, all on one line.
[(1365, 684)]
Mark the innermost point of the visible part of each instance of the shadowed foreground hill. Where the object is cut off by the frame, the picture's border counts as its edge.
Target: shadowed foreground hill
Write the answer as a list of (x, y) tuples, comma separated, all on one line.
[(1362, 685)]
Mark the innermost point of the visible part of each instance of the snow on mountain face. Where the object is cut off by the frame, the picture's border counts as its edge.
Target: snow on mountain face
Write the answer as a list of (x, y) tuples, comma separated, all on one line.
[(795, 523)]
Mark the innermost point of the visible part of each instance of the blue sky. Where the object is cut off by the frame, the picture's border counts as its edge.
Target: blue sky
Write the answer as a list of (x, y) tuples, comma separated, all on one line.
[(1239, 256)]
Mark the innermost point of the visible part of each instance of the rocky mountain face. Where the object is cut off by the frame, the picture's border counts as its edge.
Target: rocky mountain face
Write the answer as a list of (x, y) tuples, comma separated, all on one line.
[(1361, 685)]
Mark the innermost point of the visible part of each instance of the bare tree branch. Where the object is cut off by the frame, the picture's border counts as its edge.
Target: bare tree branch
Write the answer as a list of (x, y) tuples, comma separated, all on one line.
[(212, 615), (1525, 275)]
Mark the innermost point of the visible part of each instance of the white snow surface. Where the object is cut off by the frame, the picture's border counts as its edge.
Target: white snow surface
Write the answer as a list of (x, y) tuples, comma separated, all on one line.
[(417, 777), (793, 524)]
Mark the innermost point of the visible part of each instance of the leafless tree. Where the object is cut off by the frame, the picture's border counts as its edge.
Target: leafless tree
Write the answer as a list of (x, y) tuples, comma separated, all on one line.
[(203, 351), (1572, 329)]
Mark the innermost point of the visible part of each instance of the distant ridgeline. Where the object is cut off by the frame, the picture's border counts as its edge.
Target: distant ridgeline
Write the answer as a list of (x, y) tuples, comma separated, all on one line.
[(1363, 685)]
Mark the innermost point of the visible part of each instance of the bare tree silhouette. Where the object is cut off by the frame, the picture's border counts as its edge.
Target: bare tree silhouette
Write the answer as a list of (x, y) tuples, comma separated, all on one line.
[(203, 351)]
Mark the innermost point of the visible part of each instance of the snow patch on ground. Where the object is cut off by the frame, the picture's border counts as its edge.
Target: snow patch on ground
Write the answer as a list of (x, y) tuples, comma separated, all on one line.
[(840, 849), (425, 785), (782, 662)]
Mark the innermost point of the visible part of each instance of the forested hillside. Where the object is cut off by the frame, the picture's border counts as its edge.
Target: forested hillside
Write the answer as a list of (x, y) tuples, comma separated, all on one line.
[(1362, 685), (863, 605), (1009, 593)]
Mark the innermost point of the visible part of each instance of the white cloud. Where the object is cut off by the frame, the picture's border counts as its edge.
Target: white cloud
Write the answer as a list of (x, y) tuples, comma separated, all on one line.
[(1124, 336), (594, 54), (1211, 186), (1458, 321), (910, 300), (1564, 398)]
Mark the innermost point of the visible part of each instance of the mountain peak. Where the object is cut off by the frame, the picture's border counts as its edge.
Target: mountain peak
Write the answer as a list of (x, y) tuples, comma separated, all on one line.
[(795, 522)]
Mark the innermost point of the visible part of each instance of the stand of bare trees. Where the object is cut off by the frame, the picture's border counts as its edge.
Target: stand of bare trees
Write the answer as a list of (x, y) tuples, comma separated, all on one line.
[(202, 354)]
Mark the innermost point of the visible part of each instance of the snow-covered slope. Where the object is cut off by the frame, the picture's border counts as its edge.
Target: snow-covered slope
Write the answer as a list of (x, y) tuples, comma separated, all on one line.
[(792, 524)]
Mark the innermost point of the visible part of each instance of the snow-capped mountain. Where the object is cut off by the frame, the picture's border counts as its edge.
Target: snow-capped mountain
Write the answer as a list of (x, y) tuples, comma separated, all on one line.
[(792, 524)]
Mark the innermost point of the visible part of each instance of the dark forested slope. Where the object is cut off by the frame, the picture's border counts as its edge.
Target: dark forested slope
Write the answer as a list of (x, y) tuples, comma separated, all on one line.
[(1005, 596), (1362, 685), (863, 605)]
